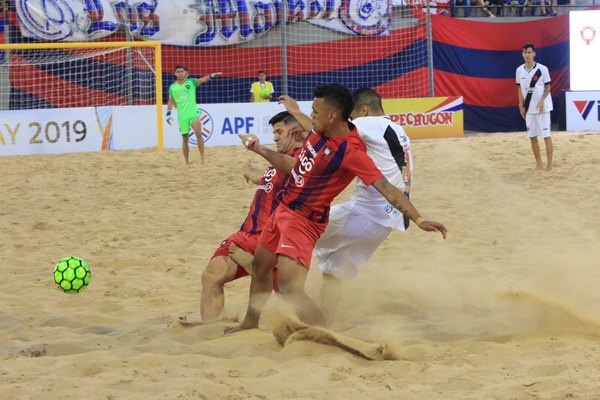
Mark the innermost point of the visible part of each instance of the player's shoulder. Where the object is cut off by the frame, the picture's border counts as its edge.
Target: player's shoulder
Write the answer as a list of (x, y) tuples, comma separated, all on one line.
[(376, 126)]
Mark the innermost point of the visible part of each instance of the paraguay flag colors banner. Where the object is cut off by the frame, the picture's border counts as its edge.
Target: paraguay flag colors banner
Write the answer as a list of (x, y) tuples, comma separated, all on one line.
[(478, 60), (195, 22)]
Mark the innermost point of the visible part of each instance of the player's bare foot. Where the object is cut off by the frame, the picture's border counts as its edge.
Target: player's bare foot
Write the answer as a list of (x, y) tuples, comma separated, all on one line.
[(241, 327)]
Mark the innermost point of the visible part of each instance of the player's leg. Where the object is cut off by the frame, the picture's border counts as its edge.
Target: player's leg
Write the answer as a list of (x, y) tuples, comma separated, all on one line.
[(331, 294), (261, 286), (344, 250), (298, 236), (219, 271), (197, 126), (184, 128), (185, 147), (545, 122), (549, 152), (291, 279), (534, 130)]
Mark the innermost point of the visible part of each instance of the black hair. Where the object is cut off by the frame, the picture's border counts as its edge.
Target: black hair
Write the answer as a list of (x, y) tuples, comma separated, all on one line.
[(367, 97), (181, 67), (284, 117), (339, 96), (528, 46)]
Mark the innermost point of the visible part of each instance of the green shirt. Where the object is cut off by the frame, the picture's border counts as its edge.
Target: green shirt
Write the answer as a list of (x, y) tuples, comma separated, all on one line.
[(184, 96)]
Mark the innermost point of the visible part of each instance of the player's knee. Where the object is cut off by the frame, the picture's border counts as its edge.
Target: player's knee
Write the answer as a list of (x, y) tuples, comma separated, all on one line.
[(289, 287), (214, 274), (261, 270)]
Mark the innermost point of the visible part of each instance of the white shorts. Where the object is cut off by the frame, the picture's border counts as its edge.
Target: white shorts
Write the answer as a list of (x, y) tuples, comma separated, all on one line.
[(538, 124), (348, 242)]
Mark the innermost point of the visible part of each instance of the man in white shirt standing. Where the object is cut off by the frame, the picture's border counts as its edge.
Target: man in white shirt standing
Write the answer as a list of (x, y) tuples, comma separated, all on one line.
[(535, 103)]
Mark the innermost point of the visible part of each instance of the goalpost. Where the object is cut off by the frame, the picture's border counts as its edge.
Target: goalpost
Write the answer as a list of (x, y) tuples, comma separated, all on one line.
[(82, 74)]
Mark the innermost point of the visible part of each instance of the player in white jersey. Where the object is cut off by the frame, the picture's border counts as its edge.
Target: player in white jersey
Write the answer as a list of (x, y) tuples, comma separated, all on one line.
[(358, 226), (535, 103)]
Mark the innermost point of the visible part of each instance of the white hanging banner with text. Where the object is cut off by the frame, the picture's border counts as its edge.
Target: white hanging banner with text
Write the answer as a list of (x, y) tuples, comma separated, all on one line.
[(195, 22)]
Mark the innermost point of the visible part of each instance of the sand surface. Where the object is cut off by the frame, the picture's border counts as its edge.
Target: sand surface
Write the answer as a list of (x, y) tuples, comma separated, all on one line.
[(508, 307)]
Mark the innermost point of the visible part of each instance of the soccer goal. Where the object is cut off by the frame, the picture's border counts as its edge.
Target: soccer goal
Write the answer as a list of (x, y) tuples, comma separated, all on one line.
[(88, 74)]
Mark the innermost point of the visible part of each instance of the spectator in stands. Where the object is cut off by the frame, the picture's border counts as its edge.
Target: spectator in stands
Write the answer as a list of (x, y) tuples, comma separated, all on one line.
[(464, 5), (568, 4), (182, 95), (261, 90), (516, 6), (541, 5), (483, 5)]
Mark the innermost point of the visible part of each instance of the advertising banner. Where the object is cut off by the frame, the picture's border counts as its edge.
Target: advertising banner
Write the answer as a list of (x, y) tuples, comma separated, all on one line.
[(582, 110), (584, 49), (54, 131), (429, 117), (50, 131), (221, 123), (195, 22)]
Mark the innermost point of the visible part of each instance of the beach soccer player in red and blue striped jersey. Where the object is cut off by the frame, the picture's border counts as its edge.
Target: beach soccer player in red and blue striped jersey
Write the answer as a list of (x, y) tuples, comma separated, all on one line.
[(221, 269), (331, 157)]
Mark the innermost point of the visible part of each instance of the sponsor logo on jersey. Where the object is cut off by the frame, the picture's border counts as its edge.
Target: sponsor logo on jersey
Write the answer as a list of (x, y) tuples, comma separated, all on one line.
[(304, 165)]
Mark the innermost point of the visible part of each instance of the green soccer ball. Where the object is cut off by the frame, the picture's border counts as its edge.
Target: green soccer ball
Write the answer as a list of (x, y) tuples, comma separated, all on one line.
[(72, 275), (265, 93)]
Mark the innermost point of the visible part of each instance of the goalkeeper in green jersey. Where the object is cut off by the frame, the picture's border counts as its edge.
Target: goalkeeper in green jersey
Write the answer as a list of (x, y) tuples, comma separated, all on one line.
[(182, 95)]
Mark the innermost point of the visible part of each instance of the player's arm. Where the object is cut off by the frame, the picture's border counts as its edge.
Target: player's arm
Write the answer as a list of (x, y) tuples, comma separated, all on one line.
[(293, 108), (251, 173), (281, 162), (547, 91), (522, 110), (399, 200), (170, 105), (206, 78)]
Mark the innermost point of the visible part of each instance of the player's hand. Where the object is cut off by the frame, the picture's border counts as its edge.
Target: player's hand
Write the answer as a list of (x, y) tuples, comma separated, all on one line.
[(246, 170), (432, 226), (290, 104), (250, 141), (170, 120), (522, 111), (540, 106), (215, 75), (298, 133)]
